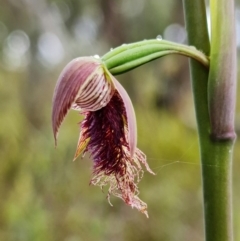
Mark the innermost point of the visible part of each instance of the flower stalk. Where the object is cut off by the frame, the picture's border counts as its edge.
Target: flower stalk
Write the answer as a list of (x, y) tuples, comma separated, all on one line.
[(130, 56)]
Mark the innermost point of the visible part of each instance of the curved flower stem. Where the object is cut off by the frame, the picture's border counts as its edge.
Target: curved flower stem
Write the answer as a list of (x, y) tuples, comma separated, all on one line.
[(216, 153), (130, 56)]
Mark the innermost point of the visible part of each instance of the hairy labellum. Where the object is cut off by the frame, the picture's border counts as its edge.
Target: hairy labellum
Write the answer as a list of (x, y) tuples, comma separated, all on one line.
[(108, 146)]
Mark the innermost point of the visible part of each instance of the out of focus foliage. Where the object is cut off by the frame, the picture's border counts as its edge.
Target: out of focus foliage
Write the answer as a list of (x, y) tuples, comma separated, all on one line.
[(46, 196)]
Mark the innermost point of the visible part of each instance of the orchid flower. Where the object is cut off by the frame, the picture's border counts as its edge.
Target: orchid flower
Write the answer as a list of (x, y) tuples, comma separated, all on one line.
[(108, 131)]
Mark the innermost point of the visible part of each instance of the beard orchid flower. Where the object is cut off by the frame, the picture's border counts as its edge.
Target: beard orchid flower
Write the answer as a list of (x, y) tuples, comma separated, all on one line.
[(108, 130)]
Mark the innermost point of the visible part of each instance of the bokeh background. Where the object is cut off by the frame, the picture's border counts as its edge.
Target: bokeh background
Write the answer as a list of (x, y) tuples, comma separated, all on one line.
[(46, 196)]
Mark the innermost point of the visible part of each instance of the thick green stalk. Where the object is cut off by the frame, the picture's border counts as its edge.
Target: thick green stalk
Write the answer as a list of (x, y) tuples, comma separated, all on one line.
[(222, 77), (216, 153)]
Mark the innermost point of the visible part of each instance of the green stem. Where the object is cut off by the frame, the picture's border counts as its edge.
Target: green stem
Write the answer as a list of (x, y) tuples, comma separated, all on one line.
[(130, 56), (217, 177), (216, 155)]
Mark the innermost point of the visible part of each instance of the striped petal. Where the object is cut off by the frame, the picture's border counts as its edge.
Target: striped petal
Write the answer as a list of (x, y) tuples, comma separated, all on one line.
[(82, 85), (94, 94)]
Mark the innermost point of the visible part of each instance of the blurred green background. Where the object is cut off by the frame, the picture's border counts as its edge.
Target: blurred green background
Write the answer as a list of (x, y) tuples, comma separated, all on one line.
[(46, 196)]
